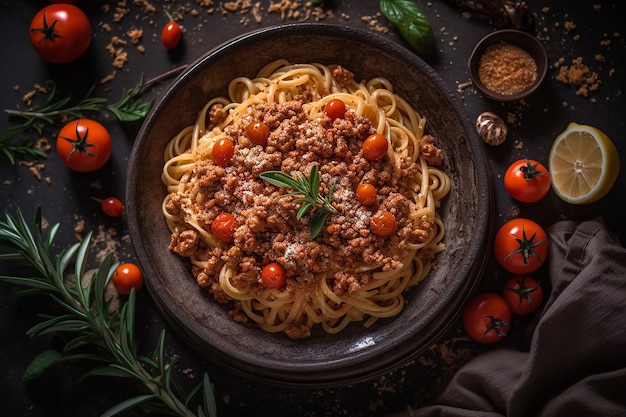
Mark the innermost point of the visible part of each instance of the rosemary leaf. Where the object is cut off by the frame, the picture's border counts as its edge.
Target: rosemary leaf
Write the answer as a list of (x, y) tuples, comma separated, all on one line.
[(308, 188), (105, 336)]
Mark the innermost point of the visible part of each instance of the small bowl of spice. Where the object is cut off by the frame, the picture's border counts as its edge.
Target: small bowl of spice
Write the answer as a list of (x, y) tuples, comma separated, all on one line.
[(508, 65)]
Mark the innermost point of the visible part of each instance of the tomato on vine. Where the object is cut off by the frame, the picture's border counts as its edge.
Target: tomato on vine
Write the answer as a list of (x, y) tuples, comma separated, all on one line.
[(273, 275), (521, 246), (487, 318), (523, 294), (60, 33), (171, 33), (126, 277), (84, 145), (527, 180)]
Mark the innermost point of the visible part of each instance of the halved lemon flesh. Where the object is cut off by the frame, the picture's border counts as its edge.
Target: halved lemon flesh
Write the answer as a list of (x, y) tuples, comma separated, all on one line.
[(583, 164)]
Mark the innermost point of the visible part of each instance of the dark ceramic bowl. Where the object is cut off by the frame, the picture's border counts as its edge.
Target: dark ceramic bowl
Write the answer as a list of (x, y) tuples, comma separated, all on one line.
[(525, 41), (356, 353)]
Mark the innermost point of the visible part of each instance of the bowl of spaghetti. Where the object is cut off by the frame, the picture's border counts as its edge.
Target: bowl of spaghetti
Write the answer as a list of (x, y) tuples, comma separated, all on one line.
[(314, 216)]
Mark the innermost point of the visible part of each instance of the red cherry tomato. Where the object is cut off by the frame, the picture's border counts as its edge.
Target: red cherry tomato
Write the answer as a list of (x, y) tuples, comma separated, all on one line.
[(527, 180), (487, 318), (126, 277), (375, 147), (223, 150), (523, 294), (112, 207), (171, 33), (223, 227), (335, 109), (383, 224), (273, 275), (366, 193), (258, 132), (60, 33), (521, 246), (84, 145)]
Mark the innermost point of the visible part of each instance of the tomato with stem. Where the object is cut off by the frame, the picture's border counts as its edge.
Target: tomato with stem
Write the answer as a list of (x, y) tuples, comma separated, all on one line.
[(112, 206), (523, 294), (521, 246), (126, 277), (60, 33), (84, 145), (527, 180), (171, 33), (487, 318)]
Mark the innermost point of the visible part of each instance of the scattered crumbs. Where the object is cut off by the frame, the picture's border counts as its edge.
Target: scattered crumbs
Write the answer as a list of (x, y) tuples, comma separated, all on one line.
[(514, 211), (519, 144), (135, 35), (108, 78), (597, 7), (79, 228), (579, 75), (373, 23)]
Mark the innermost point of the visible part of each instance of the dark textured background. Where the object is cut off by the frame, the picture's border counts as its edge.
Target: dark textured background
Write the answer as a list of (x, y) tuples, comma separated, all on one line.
[(66, 197)]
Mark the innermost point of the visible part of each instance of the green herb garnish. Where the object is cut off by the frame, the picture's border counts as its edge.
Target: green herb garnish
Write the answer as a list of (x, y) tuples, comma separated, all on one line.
[(309, 189), (411, 22), (92, 329)]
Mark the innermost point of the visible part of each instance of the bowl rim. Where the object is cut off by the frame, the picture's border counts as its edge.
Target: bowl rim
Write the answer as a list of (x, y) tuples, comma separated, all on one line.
[(326, 374), (524, 40)]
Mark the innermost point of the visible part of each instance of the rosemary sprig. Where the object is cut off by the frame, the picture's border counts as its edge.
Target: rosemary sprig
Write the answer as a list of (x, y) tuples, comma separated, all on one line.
[(308, 188), (127, 109), (94, 331)]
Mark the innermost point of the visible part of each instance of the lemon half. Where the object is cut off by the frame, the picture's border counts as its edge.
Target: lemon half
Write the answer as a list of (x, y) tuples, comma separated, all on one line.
[(583, 164)]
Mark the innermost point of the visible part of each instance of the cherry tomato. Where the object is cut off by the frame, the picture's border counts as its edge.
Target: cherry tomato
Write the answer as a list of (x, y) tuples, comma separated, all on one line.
[(521, 246), (171, 33), (366, 193), (273, 275), (112, 207), (223, 150), (61, 1), (84, 145), (487, 318), (523, 294), (375, 147), (335, 109), (126, 277), (383, 224), (60, 33), (258, 132), (223, 227), (527, 180)]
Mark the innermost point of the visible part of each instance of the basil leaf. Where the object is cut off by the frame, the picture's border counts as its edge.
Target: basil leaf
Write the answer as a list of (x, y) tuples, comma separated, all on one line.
[(411, 22)]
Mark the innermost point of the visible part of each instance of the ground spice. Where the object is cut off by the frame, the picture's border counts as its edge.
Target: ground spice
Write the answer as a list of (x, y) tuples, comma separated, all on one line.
[(506, 69)]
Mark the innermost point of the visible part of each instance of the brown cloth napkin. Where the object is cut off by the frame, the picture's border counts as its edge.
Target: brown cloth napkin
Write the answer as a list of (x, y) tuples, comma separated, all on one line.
[(575, 361)]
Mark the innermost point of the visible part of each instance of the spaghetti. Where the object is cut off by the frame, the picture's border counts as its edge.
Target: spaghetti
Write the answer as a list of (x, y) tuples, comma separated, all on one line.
[(346, 273)]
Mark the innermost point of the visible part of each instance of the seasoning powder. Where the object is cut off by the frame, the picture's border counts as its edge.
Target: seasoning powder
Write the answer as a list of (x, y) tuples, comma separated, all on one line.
[(506, 69)]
